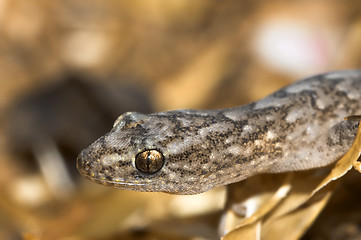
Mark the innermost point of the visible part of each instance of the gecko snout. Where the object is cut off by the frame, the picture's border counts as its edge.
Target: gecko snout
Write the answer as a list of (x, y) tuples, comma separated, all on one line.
[(81, 162), (84, 162)]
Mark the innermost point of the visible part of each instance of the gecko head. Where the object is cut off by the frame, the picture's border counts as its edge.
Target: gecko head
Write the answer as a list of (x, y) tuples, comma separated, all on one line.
[(144, 153)]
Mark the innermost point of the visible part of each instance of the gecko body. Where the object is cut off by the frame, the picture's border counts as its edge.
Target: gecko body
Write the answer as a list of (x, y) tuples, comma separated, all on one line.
[(296, 128)]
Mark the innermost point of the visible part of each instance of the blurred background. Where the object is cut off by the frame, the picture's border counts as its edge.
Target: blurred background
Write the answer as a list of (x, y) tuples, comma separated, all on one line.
[(69, 68)]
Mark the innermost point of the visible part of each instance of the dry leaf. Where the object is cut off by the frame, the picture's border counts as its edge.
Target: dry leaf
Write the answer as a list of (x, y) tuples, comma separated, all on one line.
[(251, 231), (297, 222), (250, 200)]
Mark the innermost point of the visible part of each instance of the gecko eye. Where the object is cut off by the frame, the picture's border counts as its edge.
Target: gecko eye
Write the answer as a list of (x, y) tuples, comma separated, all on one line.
[(149, 161)]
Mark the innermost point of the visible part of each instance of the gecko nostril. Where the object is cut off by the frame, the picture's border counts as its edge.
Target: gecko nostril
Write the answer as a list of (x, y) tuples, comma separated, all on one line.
[(149, 161)]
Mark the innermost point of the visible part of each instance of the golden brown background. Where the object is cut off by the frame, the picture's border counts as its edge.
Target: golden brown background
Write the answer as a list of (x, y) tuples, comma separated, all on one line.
[(68, 68)]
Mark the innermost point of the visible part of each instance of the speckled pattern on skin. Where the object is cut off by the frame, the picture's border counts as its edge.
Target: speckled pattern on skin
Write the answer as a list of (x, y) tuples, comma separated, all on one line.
[(296, 128)]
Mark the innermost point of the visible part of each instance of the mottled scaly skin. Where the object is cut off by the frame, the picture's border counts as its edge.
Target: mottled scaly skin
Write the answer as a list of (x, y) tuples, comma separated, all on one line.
[(298, 127)]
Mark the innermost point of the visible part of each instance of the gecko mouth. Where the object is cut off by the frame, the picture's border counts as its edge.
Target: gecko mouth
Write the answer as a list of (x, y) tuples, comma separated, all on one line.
[(121, 184), (110, 181)]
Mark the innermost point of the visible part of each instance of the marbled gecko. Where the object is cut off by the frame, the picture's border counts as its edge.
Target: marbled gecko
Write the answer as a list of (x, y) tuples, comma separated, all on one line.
[(187, 152)]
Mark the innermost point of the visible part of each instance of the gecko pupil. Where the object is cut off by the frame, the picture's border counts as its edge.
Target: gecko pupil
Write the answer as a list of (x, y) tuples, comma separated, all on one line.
[(149, 161)]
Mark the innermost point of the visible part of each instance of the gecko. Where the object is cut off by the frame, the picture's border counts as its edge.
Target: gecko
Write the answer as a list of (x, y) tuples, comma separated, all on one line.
[(298, 127)]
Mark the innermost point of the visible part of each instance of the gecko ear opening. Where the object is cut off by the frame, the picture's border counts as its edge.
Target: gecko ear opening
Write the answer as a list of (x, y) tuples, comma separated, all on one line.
[(149, 161)]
